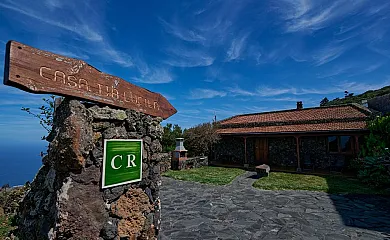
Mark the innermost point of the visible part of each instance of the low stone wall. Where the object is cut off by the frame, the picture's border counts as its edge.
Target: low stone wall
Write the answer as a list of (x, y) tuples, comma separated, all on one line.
[(194, 162), (165, 163), (66, 200)]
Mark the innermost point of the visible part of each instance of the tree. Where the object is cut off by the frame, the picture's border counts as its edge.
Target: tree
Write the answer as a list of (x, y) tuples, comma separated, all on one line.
[(171, 132), (199, 140), (45, 115), (324, 101)]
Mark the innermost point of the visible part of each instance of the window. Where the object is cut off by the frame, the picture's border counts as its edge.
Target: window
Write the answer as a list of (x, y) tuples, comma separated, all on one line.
[(346, 143), (340, 144), (333, 144)]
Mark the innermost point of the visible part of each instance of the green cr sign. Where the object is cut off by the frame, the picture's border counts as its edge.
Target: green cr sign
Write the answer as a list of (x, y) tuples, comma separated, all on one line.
[(122, 162)]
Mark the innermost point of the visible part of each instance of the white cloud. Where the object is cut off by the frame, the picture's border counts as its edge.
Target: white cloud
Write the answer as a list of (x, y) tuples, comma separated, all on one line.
[(86, 26), (265, 91), (118, 57), (181, 32), (183, 57), (312, 15), (201, 93), (70, 54), (237, 91), (168, 96), (155, 76), (338, 87), (328, 54), (81, 29), (53, 4), (237, 47)]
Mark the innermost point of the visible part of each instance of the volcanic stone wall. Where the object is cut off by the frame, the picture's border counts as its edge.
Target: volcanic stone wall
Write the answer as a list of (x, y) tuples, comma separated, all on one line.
[(282, 151), (66, 200), (232, 150)]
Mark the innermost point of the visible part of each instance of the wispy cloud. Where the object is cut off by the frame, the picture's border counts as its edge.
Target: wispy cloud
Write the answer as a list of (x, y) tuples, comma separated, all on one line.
[(168, 96), (53, 4), (201, 93), (74, 20), (182, 33), (183, 57), (237, 91), (81, 28), (69, 53), (155, 76), (338, 87), (266, 91), (328, 54), (237, 47), (350, 69), (312, 15)]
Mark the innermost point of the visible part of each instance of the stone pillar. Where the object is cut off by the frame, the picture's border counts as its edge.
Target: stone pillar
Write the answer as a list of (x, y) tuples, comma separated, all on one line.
[(66, 200)]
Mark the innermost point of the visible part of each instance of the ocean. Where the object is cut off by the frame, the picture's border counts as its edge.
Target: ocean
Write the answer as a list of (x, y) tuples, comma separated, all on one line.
[(19, 162)]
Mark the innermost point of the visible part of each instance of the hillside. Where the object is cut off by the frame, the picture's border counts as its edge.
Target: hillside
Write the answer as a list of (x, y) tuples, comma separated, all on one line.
[(358, 98)]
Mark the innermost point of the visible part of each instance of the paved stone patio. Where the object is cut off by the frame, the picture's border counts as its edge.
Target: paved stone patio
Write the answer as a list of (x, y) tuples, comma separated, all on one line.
[(239, 211)]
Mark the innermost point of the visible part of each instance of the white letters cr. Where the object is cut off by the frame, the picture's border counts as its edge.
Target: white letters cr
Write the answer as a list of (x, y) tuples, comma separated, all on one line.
[(130, 161)]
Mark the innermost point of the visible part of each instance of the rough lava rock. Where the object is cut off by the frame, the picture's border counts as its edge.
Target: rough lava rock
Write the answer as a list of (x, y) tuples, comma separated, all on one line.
[(66, 200)]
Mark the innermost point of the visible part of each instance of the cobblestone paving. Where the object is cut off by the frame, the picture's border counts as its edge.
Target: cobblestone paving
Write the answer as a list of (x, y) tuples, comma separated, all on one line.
[(239, 211)]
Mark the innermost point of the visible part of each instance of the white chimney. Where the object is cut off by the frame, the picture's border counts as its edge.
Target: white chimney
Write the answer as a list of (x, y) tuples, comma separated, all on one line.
[(180, 145)]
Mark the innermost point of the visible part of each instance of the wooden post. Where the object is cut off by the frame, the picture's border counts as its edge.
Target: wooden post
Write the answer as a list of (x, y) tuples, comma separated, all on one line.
[(357, 150), (298, 158)]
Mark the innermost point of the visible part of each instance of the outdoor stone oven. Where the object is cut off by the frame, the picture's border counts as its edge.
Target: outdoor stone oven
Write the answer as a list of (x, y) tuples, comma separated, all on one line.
[(180, 160)]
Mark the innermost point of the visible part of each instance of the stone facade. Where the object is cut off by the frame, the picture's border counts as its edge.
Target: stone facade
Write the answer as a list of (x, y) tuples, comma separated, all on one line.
[(66, 200), (232, 150), (281, 151), (194, 162)]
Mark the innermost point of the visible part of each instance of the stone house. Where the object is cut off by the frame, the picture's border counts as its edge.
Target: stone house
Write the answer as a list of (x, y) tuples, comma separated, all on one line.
[(303, 138)]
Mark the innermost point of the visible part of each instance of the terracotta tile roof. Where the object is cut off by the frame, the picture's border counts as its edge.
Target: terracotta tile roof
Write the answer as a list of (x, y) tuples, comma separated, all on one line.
[(335, 126), (333, 118)]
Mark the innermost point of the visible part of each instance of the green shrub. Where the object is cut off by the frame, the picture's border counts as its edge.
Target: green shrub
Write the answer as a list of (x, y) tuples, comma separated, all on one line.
[(373, 165), (373, 170)]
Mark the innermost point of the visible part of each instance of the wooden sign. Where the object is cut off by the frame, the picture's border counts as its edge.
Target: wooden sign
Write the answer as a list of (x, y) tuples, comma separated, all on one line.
[(39, 71), (122, 162)]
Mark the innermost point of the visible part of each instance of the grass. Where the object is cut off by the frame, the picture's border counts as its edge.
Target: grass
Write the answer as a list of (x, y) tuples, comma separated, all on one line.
[(329, 184), (209, 175)]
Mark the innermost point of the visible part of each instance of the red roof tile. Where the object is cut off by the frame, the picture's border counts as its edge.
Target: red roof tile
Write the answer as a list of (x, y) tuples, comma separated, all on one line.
[(318, 127), (320, 113), (333, 118)]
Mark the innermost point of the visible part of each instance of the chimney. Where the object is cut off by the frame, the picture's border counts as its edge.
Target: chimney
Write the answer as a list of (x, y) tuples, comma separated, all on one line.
[(299, 105), (180, 145)]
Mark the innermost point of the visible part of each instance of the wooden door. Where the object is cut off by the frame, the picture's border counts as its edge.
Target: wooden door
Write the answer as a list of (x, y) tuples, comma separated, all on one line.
[(261, 151)]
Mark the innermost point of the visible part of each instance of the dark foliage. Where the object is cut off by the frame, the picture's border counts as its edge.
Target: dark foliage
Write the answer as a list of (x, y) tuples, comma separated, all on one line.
[(169, 136), (351, 98), (199, 140), (324, 101), (373, 166)]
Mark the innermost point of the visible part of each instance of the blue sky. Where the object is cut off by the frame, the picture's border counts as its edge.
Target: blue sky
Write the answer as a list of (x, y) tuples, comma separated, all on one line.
[(207, 57)]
